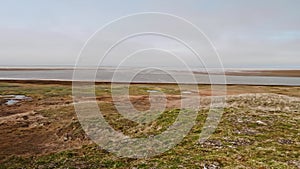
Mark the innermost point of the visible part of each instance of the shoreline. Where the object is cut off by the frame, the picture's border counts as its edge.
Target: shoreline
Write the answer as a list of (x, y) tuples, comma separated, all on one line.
[(272, 73), (229, 72), (69, 82)]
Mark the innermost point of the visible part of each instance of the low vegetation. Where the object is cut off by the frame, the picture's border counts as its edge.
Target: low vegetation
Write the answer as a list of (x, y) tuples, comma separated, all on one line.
[(259, 129)]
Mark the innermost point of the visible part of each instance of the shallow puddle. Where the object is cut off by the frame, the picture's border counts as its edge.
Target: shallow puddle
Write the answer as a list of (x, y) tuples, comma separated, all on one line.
[(11, 102), (14, 99), (152, 91)]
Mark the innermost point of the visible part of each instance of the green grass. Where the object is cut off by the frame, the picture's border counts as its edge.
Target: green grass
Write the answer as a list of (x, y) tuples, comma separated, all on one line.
[(259, 150), (238, 142)]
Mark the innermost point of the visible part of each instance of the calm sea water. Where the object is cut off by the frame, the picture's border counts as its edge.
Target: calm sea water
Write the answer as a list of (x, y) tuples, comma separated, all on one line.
[(108, 75)]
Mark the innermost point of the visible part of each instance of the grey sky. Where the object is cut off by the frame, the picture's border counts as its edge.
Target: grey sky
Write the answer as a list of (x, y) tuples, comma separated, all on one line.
[(257, 33)]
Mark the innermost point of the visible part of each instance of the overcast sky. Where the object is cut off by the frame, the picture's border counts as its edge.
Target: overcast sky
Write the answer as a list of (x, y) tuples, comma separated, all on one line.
[(246, 33)]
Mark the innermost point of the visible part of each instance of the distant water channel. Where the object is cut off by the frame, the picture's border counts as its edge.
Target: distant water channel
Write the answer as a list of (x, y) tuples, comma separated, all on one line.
[(106, 75)]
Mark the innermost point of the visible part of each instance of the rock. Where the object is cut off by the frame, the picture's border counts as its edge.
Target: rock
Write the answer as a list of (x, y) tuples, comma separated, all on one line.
[(25, 117), (65, 138), (246, 131), (285, 141), (212, 143), (240, 121), (213, 165), (261, 123), (239, 142)]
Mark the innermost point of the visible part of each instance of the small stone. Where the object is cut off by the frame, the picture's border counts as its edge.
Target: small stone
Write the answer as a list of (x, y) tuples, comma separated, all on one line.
[(285, 141), (25, 117), (261, 123), (240, 121), (214, 165), (212, 143)]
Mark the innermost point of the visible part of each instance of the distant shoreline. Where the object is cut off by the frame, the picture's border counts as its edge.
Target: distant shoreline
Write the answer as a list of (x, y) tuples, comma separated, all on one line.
[(69, 82), (236, 72), (274, 73)]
